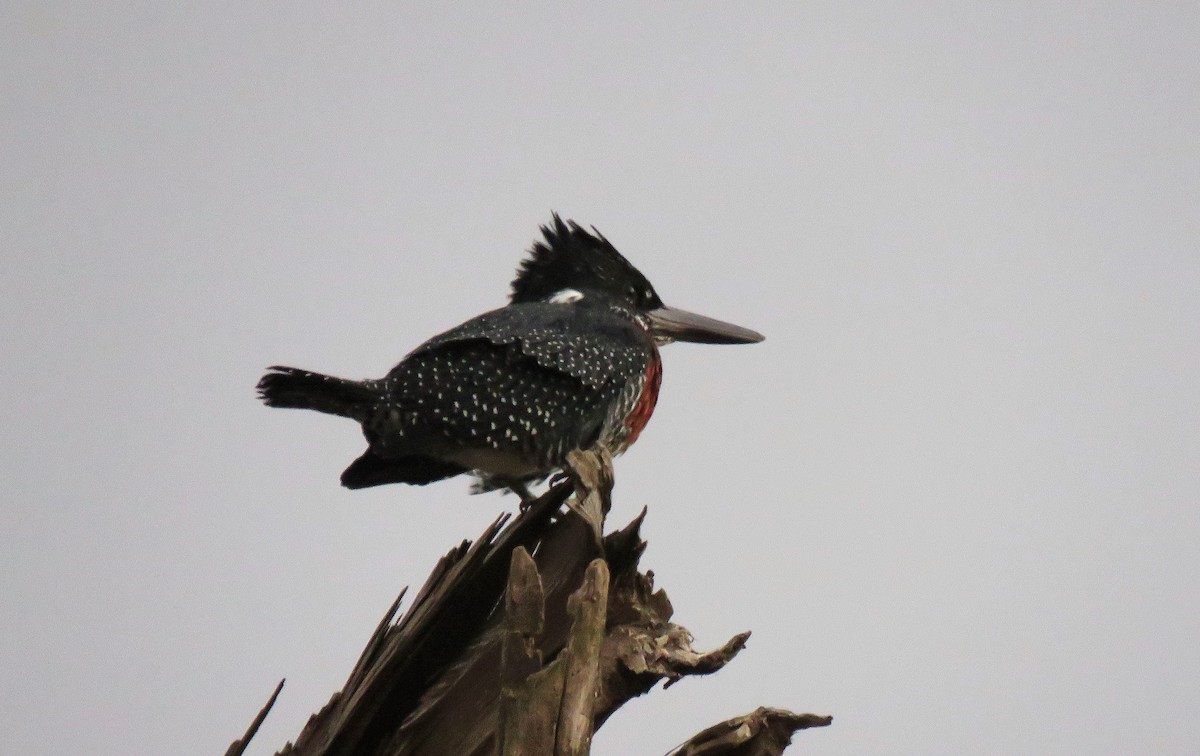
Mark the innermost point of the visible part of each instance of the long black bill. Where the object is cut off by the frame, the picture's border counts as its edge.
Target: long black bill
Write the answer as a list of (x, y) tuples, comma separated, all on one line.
[(669, 323)]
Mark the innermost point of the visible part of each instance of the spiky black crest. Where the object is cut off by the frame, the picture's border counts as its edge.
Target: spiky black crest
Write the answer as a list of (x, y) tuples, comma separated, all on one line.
[(572, 258)]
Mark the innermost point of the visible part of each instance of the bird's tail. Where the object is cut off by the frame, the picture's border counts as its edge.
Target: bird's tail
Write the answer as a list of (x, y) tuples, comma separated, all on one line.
[(292, 387)]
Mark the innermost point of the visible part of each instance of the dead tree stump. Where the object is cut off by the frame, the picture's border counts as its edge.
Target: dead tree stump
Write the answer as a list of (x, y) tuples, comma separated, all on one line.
[(524, 642)]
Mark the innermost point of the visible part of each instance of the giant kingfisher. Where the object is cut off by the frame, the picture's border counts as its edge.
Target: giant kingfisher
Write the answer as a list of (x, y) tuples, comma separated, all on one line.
[(571, 362)]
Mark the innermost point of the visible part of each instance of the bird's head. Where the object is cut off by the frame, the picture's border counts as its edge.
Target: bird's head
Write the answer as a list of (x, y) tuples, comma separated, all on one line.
[(571, 265)]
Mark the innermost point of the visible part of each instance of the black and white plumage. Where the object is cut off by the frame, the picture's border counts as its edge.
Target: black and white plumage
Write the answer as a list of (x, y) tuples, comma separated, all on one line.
[(570, 363)]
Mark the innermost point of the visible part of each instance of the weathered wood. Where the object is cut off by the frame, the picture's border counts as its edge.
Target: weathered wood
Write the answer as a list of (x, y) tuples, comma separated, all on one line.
[(395, 669), (462, 672), (524, 616), (643, 647), (762, 732), (581, 659), (519, 733), (457, 715), (238, 747), (549, 713), (533, 732), (593, 488)]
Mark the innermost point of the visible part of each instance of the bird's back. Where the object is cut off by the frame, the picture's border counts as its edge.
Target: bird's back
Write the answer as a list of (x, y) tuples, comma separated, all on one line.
[(512, 391)]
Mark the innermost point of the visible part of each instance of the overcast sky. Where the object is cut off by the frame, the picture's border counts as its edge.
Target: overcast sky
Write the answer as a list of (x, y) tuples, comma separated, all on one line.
[(954, 494)]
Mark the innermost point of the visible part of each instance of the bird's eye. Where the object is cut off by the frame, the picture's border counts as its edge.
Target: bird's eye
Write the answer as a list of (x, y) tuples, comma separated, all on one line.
[(565, 296)]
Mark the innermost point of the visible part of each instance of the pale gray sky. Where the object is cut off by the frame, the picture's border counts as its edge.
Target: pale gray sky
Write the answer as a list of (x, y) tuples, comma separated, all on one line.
[(954, 494)]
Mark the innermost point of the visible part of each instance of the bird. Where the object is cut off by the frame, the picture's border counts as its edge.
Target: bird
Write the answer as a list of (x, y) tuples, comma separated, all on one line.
[(570, 363)]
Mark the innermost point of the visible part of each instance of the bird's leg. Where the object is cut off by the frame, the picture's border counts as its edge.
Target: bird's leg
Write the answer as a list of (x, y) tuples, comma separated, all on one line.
[(522, 491)]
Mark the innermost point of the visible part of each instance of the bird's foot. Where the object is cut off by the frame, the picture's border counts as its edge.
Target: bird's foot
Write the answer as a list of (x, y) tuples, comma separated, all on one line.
[(523, 492)]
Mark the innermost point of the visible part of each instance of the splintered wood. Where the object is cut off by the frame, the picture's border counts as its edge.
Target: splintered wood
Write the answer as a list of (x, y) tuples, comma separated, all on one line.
[(524, 642)]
